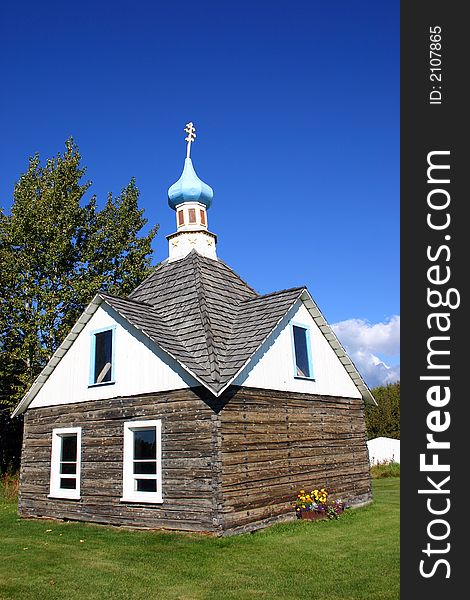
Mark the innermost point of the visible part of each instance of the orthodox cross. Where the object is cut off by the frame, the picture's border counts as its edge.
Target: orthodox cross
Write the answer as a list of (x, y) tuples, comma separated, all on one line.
[(191, 131)]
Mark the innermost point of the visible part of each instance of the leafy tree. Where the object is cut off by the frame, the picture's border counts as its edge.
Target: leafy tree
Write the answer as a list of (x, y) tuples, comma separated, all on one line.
[(56, 251), (384, 420)]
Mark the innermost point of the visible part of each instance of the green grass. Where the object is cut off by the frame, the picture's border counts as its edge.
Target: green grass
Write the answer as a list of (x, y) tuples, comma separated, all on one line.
[(353, 558), (391, 469)]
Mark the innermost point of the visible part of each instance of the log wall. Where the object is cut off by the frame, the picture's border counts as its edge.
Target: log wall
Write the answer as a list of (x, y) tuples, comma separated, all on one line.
[(187, 462), (273, 444), (229, 464)]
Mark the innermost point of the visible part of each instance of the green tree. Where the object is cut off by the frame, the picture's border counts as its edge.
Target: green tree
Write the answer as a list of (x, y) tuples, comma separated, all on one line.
[(56, 251), (383, 420)]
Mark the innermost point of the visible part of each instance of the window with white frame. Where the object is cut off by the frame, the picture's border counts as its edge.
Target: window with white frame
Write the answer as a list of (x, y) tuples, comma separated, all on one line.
[(65, 463), (142, 468), (102, 356), (301, 345)]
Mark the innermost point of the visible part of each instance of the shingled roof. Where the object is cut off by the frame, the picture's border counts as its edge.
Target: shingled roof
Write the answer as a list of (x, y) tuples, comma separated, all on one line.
[(202, 314)]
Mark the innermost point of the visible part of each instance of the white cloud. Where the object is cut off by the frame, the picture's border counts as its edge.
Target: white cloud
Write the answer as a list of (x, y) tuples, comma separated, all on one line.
[(365, 341)]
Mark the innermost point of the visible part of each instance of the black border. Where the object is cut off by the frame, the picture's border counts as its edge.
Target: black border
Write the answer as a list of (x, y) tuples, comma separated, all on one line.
[(426, 128)]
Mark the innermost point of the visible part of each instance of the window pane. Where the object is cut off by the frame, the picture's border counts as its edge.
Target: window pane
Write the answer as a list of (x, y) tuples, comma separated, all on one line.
[(301, 353), (68, 468), (68, 484), (145, 443), (69, 447), (103, 355), (147, 468), (192, 215), (146, 485)]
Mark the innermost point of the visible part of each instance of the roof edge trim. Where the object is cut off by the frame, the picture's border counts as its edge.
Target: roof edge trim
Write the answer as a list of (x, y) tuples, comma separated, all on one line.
[(337, 348), (58, 355)]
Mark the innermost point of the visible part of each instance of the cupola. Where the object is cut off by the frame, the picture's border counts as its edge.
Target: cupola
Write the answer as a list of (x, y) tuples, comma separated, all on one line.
[(190, 197)]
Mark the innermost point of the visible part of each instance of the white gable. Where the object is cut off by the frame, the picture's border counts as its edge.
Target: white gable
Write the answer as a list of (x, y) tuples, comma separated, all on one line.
[(272, 366), (140, 366)]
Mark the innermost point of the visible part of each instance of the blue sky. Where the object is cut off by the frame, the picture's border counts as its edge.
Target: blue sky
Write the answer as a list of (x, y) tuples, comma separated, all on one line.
[(296, 107)]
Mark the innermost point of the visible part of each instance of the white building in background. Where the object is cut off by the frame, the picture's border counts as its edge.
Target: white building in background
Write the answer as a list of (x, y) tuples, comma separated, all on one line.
[(383, 450)]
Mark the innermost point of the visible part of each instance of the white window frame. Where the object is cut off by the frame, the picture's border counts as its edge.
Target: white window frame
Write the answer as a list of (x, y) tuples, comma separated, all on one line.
[(129, 493), (55, 490)]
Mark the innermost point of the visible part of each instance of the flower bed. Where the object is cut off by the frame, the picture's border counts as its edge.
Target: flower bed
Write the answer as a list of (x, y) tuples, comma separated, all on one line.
[(316, 505)]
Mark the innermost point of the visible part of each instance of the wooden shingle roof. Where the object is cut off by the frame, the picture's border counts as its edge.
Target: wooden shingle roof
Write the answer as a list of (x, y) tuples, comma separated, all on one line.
[(204, 315)]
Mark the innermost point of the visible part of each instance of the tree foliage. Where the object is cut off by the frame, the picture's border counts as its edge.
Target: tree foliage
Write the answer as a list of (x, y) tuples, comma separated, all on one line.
[(57, 249), (384, 420)]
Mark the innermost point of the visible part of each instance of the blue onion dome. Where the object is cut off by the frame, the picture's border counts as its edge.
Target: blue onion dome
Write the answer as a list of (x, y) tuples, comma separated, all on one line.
[(189, 188)]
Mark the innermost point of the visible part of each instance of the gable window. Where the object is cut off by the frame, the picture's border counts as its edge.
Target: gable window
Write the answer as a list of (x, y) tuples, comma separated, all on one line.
[(65, 463), (102, 355), (301, 343), (142, 469)]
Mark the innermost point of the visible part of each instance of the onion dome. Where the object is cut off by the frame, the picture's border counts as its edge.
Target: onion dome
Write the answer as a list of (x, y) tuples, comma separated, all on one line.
[(189, 188)]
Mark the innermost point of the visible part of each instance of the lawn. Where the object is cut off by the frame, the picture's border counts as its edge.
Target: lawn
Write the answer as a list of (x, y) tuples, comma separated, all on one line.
[(355, 557)]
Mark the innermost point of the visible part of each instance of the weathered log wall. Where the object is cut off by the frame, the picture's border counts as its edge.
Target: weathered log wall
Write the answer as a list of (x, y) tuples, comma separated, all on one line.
[(228, 463), (187, 462), (274, 444)]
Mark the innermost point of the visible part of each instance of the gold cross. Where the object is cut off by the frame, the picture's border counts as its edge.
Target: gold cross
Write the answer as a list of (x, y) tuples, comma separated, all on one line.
[(191, 131)]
